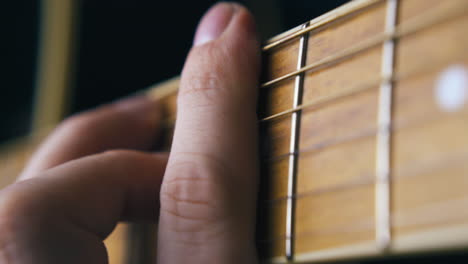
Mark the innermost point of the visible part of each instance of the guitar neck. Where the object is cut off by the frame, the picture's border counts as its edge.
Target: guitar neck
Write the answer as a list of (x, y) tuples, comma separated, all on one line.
[(363, 122)]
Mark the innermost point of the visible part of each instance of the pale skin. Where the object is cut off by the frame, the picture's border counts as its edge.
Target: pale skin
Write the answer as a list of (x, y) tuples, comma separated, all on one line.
[(96, 169)]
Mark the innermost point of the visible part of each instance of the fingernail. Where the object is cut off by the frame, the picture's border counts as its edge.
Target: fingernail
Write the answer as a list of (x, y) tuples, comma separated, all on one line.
[(214, 22), (140, 107)]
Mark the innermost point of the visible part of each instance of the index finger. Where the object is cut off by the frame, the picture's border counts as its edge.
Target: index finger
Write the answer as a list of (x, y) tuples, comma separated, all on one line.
[(209, 190)]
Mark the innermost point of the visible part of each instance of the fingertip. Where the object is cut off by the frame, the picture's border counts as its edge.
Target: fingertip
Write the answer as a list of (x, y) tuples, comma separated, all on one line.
[(214, 22)]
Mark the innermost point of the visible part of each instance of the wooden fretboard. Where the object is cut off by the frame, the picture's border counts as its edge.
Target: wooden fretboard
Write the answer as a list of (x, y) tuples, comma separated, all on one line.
[(363, 119)]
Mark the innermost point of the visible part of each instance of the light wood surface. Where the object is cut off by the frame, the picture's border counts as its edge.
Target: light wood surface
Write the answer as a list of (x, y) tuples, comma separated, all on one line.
[(335, 200)]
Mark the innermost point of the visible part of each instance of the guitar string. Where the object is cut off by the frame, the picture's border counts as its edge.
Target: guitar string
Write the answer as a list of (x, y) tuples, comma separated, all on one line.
[(370, 132), (373, 83), (364, 178), (311, 104), (308, 105), (296, 109), (348, 92), (169, 123), (359, 88), (359, 136), (324, 144), (320, 22), (454, 161), (413, 25), (412, 220), (418, 23), (367, 225)]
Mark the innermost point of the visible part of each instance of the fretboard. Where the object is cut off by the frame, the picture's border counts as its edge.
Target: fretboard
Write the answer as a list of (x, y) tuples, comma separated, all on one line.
[(363, 116)]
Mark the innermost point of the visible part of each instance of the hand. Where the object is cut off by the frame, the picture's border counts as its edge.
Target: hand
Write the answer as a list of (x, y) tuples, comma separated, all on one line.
[(79, 184)]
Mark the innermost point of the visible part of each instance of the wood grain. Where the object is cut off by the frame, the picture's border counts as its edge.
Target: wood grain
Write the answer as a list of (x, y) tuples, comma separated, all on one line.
[(274, 178), (415, 101), (341, 77), (347, 118), (334, 219), (409, 9), (429, 145), (271, 228), (276, 98), (280, 60), (430, 175), (442, 43), (275, 142), (337, 167), (346, 32)]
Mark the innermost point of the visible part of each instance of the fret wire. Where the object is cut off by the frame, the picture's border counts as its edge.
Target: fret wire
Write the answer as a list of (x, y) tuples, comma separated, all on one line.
[(413, 25), (294, 142), (383, 146), (351, 8)]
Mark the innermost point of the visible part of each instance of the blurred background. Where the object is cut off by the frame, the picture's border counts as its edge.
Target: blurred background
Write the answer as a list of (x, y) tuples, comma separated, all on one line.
[(118, 47)]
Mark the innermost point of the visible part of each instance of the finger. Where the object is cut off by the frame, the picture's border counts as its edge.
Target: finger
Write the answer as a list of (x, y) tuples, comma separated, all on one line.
[(209, 190), (63, 216), (128, 124)]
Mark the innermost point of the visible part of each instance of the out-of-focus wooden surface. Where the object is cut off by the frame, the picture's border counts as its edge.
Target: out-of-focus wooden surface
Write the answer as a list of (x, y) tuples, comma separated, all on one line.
[(55, 62)]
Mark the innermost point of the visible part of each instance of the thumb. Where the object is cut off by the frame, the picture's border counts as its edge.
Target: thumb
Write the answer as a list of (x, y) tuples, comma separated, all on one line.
[(209, 188)]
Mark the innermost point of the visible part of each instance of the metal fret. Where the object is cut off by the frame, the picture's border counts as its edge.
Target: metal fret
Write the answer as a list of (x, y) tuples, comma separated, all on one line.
[(382, 184), (293, 145)]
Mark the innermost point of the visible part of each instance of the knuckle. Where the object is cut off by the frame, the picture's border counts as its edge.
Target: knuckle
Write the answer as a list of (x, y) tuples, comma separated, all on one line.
[(77, 124)]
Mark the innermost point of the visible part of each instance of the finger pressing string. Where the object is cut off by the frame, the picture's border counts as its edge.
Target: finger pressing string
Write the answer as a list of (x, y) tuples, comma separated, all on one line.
[(209, 190)]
